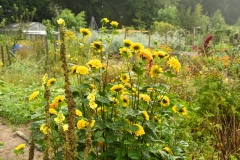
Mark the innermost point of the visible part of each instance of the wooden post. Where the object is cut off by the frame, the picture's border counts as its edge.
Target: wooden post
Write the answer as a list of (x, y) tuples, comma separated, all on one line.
[(9, 58), (2, 53), (125, 35)]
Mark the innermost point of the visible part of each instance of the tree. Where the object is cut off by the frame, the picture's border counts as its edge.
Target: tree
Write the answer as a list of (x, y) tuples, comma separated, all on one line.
[(168, 14)]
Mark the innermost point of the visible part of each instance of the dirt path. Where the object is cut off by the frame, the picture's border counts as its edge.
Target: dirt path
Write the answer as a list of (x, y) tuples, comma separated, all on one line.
[(10, 140)]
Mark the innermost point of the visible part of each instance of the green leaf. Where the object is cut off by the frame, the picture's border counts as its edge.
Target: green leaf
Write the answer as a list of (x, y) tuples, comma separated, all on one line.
[(100, 139), (169, 74), (134, 154), (120, 158), (84, 86), (133, 128), (137, 70), (103, 100), (132, 112)]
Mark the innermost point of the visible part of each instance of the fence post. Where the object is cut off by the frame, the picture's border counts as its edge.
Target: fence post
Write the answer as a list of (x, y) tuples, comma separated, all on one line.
[(2, 53), (9, 58)]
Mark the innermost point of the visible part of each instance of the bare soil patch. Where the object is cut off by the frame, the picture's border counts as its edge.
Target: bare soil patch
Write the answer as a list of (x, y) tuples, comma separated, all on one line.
[(10, 139)]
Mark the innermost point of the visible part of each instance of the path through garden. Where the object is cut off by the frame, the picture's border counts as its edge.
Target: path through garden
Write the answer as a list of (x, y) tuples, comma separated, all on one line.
[(10, 139)]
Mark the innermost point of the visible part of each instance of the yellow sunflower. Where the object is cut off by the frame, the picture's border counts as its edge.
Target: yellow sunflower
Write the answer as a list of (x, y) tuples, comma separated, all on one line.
[(104, 20), (155, 71), (174, 64), (94, 64), (145, 115), (136, 47), (82, 70), (124, 78), (125, 100), (126, 52), (145, 54), (174, 108), (127, 42), (164, 100), (183, 111), (145, 97), (78, 113), (85, 32), (33, 95), (114, 24), (117, 88), (74, 69), (97, 46), (51, 81), (59, 99), (140, 131), (160, 54), (168, 150), (157, 120), (81, 124)]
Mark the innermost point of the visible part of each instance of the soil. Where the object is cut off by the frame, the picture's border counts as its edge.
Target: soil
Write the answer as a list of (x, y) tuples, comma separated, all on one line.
[(10, 139)]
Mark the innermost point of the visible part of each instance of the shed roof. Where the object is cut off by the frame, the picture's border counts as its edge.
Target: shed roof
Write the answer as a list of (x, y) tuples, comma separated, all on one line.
[(28, 28)]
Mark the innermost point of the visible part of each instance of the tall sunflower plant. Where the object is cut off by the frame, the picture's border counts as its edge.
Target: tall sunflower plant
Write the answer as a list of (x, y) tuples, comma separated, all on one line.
[(133, 116)]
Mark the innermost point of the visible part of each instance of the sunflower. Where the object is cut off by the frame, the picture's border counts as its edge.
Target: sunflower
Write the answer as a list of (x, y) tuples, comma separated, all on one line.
[(124, 78), (85, 32), (125, 100), (145, 115), (145, 97), (140, 130), (54, 105), (74, 69), (92, 123), (164, 100), (136, 47), (183, 111), (168, 150), (127, 42), (174, 108), (82, 70), (51, 81), (114, 24), (145, 54), (126, 52), (81, 124), (33, 95), (157, 120), (114, 101), (104, 20), (78, 113), (97, 46), (117, 88), (160, 54), (52, 111), (59, 99), (174, 64), (155, 71), (94, 64)]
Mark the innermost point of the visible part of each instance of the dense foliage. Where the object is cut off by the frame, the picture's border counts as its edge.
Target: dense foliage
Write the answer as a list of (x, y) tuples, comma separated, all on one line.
[(127, 12)]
